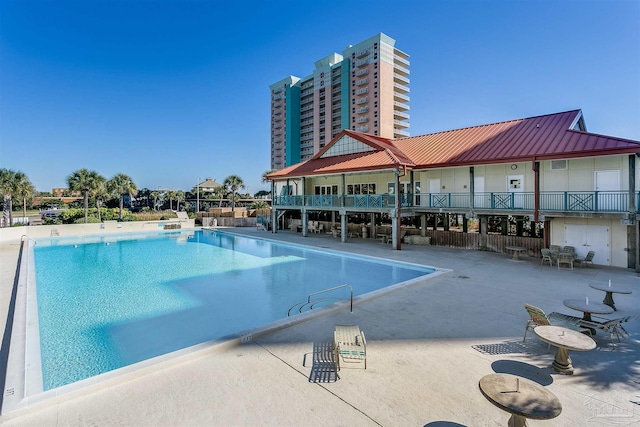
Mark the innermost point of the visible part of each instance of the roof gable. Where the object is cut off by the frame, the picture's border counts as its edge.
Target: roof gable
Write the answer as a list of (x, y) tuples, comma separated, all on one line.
[(346, 144)]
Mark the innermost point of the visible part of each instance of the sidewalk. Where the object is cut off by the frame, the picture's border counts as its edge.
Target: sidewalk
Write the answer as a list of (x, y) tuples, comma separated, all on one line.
[(428, 346)]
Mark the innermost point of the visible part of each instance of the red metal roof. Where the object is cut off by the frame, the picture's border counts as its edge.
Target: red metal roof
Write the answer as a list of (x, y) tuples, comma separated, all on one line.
[(541, 137)]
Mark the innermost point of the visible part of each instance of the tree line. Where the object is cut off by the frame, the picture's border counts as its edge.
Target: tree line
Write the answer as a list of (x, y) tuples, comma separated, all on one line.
[(98, 190)]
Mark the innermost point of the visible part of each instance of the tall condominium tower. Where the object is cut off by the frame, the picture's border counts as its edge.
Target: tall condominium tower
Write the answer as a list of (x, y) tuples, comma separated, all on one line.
[(364, 89)]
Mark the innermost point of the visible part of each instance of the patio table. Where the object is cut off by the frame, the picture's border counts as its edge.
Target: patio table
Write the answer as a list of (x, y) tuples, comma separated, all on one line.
[(564, 339), (521, 397), (516, 251), (610, 289), (587, 308)]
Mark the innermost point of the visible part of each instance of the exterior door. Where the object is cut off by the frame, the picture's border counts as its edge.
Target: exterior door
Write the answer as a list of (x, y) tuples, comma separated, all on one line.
[(607, 185), (479, 198), (515, 186), (587, 238), (435, 200)]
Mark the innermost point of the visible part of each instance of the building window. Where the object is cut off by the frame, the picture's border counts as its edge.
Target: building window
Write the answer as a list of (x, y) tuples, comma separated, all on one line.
[(375, 65), (375, 94), (375, 113), (375, 75), (375, 104), (375, 84), (375, 124)]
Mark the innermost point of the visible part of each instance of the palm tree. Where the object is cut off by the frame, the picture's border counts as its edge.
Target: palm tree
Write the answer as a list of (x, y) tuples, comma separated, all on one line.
[(179, 195), (264, 175), (100, 192), (121, 185), (23, 189), (155, 196), (170, 194), (219, 193), (85, 181), (7, 178), (233, 183)]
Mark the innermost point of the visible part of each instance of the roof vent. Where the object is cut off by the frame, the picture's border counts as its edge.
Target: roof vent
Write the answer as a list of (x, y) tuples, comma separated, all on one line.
[(538, 126)]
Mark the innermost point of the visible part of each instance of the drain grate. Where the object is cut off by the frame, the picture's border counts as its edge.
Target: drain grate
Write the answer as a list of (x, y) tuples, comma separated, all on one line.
[(463, 277), (10, 391)]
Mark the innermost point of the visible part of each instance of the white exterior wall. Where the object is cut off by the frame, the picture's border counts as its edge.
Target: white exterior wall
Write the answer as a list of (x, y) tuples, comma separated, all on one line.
[(617, 235)]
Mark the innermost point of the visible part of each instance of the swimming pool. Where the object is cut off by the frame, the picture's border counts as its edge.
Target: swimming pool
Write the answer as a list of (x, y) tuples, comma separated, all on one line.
[(107, 302)]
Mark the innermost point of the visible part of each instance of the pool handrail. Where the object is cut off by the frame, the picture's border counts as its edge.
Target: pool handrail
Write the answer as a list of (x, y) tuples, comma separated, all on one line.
[(301, 305)]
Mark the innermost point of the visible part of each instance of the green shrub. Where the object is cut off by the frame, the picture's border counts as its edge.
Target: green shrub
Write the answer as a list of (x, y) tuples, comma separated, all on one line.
[(164, 217), (128, 217), (90, 220), (52, 221)]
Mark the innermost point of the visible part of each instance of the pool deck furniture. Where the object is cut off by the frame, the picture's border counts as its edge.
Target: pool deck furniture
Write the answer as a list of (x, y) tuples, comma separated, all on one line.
[(609, 290), (565, 258), (520, 397), (564, 339), (611, 326), (516, 251), (537, 317), (350, 346), (586, 260), (587, 307)]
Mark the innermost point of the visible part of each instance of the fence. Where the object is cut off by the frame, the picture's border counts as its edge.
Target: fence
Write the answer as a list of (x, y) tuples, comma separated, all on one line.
[(489, 242)]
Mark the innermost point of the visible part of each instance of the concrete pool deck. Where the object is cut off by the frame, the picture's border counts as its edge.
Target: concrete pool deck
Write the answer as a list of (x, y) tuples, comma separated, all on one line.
[(428, 346)]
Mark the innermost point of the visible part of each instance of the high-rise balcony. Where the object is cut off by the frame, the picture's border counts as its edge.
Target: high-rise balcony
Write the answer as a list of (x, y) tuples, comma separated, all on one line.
[(401, 61), (362, 72), (397, 133), (362, 100), (400, 88), (401, 70), (362, 81), (364, 128), (361, 62), (363, 52), (400, 115), (401, 79), (364, 119), (400, 106), (401, 124), (362, 91), (400, 97), (362, 110)]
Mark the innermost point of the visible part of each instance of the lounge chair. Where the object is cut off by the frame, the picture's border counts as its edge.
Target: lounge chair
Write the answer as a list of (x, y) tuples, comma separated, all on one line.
[(612, 326), (313, 226), (537, 317), (588, 259), (350, 346)]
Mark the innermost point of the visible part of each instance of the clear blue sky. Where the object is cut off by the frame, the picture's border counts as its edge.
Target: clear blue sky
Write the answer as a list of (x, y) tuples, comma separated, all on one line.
[(172, 91)]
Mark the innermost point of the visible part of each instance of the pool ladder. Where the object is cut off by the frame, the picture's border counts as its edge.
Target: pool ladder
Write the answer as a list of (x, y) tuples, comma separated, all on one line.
[(308, 303)]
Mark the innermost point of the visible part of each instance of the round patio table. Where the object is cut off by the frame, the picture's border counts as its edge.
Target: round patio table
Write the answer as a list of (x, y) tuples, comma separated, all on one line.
[(521, 397), (587, 307), (564, 339), (610, 290)]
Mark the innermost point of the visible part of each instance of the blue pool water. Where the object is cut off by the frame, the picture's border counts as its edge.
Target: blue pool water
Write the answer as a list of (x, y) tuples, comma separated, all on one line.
[(107, 304)]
